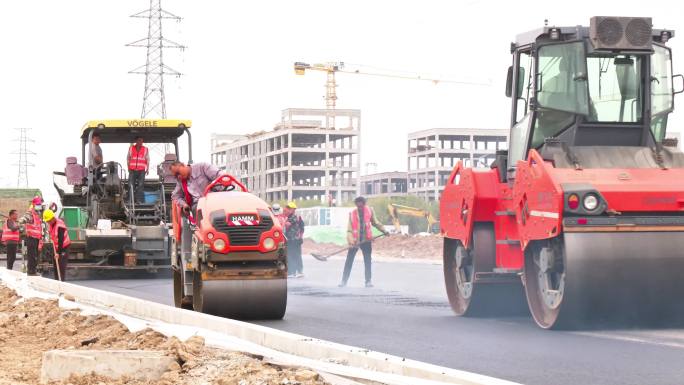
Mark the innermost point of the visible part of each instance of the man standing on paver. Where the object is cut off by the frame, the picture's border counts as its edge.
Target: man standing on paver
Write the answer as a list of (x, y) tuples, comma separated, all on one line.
[(138, 166), (360, 235), (95, 159), (294, 232), (10, 237)]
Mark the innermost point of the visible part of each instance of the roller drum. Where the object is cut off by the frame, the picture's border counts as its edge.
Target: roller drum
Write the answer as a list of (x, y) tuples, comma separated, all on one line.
[(241, 299), (613, 278)]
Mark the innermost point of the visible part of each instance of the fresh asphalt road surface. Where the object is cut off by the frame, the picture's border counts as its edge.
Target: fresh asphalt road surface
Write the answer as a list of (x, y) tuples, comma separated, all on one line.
[(406, 314)]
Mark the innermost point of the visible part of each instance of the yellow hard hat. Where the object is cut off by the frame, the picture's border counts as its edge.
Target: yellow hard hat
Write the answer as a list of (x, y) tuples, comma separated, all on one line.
[(48, 215), (292, 205)]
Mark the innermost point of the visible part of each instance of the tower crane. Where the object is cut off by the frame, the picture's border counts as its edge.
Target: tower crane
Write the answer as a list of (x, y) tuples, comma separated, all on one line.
[(330, 68)]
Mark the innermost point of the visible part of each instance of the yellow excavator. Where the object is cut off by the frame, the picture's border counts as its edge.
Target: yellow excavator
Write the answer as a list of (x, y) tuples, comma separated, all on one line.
[(395, 210)]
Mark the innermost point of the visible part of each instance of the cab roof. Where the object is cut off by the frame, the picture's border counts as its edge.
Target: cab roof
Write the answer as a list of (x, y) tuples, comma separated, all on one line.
[(574, 32), (125, 131)]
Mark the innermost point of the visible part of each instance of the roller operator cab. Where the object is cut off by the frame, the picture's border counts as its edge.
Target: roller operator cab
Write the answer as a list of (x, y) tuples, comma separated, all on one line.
[(229, 258), (583, 215)]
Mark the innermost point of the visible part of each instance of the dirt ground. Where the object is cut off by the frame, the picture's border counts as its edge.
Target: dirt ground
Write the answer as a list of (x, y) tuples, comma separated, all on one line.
[(395, 246), (30, 327)]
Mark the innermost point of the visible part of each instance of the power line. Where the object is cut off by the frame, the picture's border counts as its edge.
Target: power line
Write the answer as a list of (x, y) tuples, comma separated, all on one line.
[(154, 69), (23, 154)]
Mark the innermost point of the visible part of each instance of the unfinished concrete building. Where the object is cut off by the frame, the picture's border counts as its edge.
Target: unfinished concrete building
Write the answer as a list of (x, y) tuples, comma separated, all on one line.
[(433, 153), (310, 154), (385, 184)]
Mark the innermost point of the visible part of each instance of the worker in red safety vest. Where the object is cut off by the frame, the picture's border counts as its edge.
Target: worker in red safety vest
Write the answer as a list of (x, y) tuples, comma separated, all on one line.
[(278, 213), (360, 235), (138, 167), (59, 235), (33, 227), (10, 237)]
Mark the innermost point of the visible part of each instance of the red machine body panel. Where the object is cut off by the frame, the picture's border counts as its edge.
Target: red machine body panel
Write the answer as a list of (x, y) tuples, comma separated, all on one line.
[(459, 208), (475, 195), (532, 209), (242, 203)]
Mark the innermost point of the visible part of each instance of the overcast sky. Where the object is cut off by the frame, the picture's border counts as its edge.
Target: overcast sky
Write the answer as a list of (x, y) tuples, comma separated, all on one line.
[(65, 62)]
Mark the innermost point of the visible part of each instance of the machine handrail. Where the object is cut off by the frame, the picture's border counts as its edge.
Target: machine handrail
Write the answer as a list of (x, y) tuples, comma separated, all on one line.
[(225, 180)]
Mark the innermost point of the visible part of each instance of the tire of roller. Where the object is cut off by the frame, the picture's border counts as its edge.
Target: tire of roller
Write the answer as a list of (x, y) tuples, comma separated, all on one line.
[(487, 299)]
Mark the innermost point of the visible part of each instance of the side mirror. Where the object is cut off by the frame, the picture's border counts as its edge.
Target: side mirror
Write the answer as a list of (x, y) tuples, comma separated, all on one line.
[(680, 89), (509, 82)]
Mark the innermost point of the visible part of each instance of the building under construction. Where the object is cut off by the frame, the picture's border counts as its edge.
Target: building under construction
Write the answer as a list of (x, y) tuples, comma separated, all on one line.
[(384, 184), (433, 153), (310, 154)]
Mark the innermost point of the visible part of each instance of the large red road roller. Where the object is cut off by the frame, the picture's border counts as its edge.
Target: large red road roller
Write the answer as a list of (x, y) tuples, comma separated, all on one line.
[(229, 259), (583, 214)]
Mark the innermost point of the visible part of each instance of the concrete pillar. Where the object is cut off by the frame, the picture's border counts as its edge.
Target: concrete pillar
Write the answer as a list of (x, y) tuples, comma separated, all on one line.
[(327, 160), (290, 182)]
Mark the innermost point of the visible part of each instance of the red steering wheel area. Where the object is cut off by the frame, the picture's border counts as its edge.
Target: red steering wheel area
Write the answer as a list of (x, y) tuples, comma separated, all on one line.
[(227, 183)]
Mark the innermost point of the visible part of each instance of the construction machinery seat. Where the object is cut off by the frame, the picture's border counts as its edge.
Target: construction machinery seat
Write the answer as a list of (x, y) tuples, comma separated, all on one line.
[(75, 173), (164, 169)]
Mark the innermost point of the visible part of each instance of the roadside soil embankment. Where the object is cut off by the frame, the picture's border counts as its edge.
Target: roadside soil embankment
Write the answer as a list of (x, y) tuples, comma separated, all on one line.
[(30, 327), (395, 246)]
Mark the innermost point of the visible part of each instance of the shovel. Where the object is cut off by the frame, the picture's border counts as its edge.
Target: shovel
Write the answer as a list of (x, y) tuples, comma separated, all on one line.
[(325, 257), (59, 273)]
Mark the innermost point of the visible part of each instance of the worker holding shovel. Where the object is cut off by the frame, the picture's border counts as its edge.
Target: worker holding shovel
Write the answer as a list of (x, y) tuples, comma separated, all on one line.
[(360, 235), (60, 242)]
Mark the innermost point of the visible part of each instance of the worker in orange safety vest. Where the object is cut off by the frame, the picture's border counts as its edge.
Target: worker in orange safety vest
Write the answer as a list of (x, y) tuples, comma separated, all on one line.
[(360, 235), (10, 237), (138, 167), (33, 227), (59, 235)]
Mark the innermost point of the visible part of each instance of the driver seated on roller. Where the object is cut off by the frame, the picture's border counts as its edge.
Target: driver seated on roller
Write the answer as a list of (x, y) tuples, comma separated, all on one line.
[(191, 181)]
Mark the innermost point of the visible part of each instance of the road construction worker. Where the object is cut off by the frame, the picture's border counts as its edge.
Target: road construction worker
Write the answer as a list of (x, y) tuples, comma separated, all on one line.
[(138, 166), (95, 158), (10, 237), (360, 235), (294, 233), (59, 235), (192, 179), (278, 213), (33, 226)]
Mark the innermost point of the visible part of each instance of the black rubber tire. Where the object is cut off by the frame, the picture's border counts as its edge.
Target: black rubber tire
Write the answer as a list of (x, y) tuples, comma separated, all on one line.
[(486, 299), (546, 317)]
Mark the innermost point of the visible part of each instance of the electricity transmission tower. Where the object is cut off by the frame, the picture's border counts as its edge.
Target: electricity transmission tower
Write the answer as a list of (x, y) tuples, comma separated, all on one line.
[(154, 69), (23, 154)]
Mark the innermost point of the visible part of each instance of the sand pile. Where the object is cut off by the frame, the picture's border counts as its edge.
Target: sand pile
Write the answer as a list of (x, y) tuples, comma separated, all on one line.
[(30, 327)]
